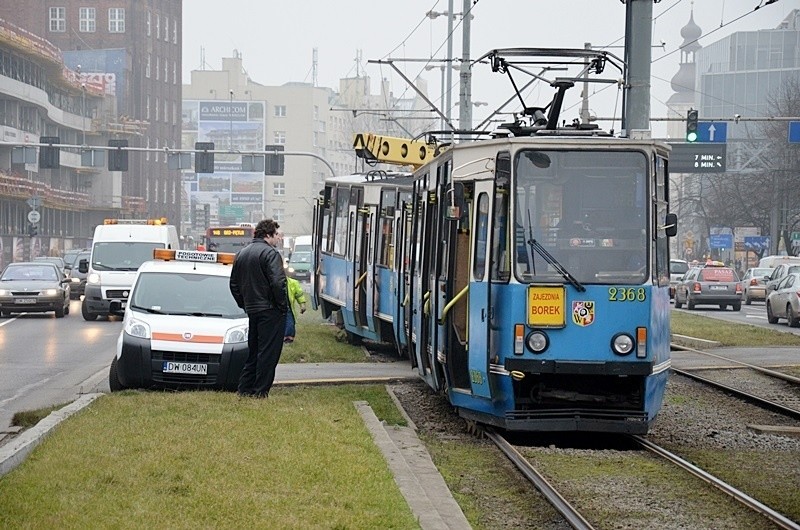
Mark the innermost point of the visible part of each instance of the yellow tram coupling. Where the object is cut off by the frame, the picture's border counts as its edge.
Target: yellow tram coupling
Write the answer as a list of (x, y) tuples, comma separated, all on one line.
[(391, 150)]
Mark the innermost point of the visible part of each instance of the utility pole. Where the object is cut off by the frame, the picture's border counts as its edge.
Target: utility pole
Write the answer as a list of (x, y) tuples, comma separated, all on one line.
[(465, 112), (585, 93), (638, 37), (449, 65)]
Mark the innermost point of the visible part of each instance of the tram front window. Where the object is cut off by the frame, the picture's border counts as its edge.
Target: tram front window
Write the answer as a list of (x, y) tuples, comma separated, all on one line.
[(588, 209)]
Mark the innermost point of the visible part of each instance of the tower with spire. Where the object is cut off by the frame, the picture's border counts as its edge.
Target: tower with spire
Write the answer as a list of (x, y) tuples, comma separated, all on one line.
[(683, 82)]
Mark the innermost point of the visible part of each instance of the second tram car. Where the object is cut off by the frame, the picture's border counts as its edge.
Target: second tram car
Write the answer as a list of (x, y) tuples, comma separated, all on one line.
[(527, 276)]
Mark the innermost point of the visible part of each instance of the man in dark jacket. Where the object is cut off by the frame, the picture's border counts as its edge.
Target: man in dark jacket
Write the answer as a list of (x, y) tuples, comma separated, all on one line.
[(258, 284)]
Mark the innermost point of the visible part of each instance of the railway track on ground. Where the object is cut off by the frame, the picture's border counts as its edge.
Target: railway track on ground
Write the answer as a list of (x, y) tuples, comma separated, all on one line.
[(784, 389), (579, 521)]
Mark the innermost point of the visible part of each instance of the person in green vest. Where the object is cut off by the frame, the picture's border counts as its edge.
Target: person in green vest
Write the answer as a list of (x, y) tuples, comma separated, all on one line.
[(296, 298)]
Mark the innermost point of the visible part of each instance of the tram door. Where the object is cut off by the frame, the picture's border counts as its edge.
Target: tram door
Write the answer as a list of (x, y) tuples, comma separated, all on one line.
[(402, 242), (433, 255), (420, 285), (359, 244), (480, 307)]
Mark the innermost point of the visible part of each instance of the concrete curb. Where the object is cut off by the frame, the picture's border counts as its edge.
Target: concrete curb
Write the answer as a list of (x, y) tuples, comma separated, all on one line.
[(15, 451), (419, 480)]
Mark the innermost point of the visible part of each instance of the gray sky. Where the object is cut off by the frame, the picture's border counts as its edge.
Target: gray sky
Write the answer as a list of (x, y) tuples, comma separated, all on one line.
[(276, 40)]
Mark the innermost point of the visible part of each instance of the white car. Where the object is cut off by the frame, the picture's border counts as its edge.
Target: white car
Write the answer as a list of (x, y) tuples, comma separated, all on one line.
[(181, 326)]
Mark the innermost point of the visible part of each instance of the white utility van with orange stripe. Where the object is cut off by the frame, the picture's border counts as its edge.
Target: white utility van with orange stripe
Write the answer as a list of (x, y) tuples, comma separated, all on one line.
[(181, 326)]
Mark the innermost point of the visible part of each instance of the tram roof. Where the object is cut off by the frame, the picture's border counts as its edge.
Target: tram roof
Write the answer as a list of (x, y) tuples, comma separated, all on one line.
[(398, 178)]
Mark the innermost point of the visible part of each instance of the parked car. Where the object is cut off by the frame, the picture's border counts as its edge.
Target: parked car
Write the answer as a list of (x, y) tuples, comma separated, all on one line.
[(299, 265), (709, 284), (71, 255), (754, 284), (79, 278), (784, 301), (779, 273), (34, 286), (58, 262), (774, 261), (677, 268)]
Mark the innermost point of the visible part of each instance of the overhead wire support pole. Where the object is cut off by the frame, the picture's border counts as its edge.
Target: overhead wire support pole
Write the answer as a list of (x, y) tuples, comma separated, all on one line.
[(418, 91)]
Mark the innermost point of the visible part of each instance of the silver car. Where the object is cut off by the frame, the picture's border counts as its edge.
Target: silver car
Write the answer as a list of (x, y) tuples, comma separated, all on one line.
[(784, 301), (754, 284), (36, 286)]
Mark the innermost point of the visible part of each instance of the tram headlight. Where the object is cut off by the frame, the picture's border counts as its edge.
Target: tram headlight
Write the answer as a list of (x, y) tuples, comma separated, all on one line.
[(622, 344), (537, 341)]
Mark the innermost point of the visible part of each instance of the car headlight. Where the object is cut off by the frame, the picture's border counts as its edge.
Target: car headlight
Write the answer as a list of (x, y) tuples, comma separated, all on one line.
[(4, 292), (93, 278), (235, 335), (137, 328), (50, 292), (622, 344), (290, 269)]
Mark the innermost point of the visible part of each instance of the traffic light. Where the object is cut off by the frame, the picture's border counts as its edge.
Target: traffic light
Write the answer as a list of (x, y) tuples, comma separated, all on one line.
[(49, 156), (33, 229), (203, 160), (691, 125), (274, 163), (117, 158)]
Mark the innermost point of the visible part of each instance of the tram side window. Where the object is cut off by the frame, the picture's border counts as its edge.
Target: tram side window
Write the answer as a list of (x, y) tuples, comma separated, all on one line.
[(340, 227), (481, 232), (501, 261), (386, 248), (662, 242)]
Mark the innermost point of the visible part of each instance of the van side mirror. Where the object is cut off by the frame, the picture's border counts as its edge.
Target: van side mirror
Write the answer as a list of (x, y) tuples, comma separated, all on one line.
[(83, 266), (671, 225)]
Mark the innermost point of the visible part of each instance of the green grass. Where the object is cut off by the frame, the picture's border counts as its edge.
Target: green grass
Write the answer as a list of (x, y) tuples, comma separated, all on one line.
[(729, 334), (317, 341), (29, 418), (301, 459)]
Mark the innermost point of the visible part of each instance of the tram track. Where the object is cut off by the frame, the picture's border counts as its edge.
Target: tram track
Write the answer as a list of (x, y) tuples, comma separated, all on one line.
[(579, 521), (784, 387)]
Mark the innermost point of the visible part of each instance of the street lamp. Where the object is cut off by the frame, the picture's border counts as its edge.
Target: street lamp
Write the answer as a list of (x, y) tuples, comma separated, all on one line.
[(83, 106), (230, 117)]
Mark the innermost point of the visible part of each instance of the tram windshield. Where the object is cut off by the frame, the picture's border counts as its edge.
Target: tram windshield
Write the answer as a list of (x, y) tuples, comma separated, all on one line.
[(587, 209)]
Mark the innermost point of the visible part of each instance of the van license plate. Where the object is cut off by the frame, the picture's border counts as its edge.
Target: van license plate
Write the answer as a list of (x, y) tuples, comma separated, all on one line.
[(184, 368)]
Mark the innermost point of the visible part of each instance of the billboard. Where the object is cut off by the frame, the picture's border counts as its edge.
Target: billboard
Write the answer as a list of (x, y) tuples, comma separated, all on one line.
[(234, 125)]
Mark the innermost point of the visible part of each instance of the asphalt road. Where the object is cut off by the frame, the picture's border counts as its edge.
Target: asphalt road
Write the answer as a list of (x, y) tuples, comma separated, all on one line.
[(46, 360)]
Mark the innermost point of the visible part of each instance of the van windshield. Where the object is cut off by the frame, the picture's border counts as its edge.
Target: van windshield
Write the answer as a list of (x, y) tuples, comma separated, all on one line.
[(678, 267), (122, 255), (185, 294)]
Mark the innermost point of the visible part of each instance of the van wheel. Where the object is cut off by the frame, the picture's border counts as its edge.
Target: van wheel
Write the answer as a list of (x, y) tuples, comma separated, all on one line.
[(113, 378), (737, 306), (87, 315)]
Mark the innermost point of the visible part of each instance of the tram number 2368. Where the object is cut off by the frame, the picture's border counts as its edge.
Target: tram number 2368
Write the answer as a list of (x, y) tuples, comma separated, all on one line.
[(627, 294)]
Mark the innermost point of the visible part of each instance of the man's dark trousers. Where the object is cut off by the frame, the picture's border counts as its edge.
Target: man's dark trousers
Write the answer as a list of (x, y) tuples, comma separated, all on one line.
[(265, 342)]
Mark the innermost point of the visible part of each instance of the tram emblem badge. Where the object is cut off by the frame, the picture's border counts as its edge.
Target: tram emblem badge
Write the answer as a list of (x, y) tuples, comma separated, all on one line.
[(583, 312)]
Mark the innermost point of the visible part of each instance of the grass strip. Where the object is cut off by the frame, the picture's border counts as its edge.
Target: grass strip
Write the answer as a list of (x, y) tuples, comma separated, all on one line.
[(300, 459)]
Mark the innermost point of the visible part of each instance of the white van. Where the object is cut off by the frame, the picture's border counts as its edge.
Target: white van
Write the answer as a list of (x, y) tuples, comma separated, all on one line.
[(119, 246), (774, 261)]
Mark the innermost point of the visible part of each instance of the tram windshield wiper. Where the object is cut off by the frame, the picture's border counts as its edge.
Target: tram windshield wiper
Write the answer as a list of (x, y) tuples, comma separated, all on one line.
[(535, 245), (550, 259)]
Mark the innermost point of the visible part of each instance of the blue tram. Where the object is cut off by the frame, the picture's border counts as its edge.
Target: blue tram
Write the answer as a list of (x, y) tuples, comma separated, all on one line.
[(526, 276)]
